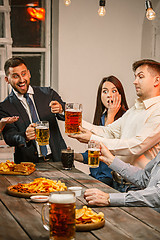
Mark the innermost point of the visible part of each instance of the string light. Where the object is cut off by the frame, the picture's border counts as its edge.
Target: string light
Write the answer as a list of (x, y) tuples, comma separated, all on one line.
[(150, 14), (67, 2), (102, 10)]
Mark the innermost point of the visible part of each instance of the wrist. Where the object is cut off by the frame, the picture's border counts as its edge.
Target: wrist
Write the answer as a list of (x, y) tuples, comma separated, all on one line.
[(26, 138), (106, 199), (2, 125), (109, 201), (110, 160)]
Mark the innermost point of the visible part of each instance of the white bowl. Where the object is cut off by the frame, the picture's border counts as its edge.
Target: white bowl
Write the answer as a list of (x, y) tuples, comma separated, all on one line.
[(39, 198), (76, 190)]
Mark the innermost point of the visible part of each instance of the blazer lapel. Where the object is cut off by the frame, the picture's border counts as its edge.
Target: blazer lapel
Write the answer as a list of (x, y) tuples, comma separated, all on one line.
[(20, 109)]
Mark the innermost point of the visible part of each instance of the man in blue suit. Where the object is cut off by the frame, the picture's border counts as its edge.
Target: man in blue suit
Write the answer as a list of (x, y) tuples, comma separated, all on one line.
[(48, 106)]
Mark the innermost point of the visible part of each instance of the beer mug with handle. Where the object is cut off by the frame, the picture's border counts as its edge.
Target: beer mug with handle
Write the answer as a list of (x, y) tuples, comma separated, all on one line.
[(93, 154), (73, 118), (61, 224), (42, 133)]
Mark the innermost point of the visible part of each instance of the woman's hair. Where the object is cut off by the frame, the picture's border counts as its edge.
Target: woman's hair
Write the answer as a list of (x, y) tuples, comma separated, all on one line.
[(99, 105)]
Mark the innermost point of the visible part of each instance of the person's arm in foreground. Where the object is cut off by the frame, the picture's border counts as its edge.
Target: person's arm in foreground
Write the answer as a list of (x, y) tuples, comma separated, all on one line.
[(150, 196), (145, 139), (7, 120), (11, 134)]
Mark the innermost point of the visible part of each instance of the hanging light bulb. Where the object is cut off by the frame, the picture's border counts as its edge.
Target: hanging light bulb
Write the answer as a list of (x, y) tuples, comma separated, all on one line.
[(150, 14), (102, 10), (67, 2)]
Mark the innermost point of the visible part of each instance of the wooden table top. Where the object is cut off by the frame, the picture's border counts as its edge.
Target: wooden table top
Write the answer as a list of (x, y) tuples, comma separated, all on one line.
[(21, 218)]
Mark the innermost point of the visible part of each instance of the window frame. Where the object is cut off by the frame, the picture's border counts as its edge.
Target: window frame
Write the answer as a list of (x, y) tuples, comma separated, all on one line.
[(41, 50)]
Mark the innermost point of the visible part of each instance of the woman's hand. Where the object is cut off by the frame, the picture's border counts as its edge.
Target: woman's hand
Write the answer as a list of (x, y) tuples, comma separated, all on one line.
[(113, 107)]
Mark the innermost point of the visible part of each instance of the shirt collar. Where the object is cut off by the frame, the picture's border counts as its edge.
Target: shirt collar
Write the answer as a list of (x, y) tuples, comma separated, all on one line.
[(146, 103), (21, 96)]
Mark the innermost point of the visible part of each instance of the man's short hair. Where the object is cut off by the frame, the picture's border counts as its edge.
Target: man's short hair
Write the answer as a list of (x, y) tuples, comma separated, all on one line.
[(149, 62), (13, 62)]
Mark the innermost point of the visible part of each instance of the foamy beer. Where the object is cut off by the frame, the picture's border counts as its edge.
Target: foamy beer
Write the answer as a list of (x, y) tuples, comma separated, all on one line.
[(73, 117), (61, 222), (42, 133), (93, 154)]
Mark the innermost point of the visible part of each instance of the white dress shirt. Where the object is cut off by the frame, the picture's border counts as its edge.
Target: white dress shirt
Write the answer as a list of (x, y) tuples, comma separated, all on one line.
[(135, 137), (148, 179)]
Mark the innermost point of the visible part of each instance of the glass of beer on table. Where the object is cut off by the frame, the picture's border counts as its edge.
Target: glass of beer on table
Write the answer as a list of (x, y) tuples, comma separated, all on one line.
[(93, 154), (42, 133), (73, 118), (61, 222), (67, 158)]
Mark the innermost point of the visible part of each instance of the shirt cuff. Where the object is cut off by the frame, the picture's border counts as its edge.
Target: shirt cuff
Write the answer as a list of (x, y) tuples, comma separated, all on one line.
[(117, 199), (117, 165)]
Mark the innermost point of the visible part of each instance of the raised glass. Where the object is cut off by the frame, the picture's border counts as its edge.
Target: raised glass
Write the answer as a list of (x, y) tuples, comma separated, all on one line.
[(93, 154), (73, 118), (42, 133)]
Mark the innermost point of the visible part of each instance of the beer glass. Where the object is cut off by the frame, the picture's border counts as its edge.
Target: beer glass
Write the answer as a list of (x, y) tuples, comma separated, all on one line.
[(73, 118), (42, 133), (67, 158), (93, 154), (61, 222)]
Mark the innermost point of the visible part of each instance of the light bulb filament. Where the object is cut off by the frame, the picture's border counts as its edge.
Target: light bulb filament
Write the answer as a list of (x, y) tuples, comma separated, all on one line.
[(150, 14), (67, 2), (101, 11)]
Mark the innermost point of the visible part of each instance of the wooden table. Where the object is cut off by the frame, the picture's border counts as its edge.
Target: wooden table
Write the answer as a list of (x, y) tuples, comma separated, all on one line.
[(21, 219)]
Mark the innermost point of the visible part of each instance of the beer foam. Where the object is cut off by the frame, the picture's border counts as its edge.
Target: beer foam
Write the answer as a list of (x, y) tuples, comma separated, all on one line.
[(62, 198), (41, 127), (94, 149), (73, 110)]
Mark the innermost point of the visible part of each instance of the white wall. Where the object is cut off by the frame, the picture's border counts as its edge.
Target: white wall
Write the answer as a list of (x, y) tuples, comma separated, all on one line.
[(91, 47)]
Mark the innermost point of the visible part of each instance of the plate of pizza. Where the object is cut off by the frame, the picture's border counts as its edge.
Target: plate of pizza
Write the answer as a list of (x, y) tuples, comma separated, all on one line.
[(39, 186), (87, 219), (11, 168)]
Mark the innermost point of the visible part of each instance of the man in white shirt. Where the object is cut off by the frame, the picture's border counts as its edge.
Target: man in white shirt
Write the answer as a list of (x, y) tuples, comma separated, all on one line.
[(134, 137), (148, 179)]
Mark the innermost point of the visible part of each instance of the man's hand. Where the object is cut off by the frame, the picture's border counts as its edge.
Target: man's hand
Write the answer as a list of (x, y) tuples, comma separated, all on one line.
[(106, 155), (7, 120), (82, 137), (56, 107), (30, 132), (95, 196)]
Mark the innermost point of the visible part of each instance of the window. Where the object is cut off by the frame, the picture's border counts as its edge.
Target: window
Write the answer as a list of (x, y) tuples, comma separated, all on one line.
[(5, 44), (30, 31)]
